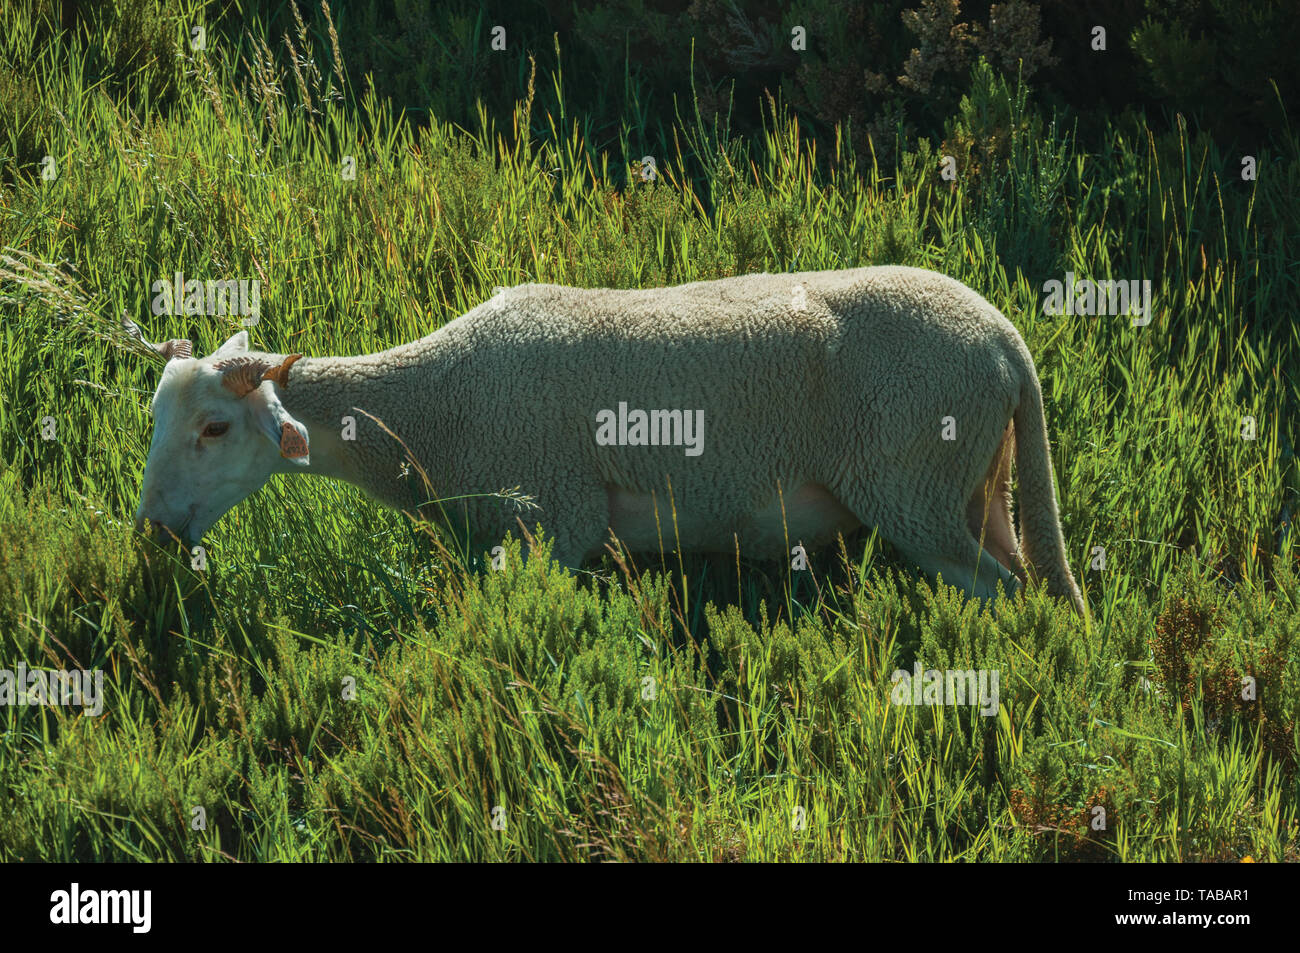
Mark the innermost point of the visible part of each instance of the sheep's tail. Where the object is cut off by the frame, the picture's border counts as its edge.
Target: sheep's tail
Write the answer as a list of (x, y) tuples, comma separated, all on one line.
[(1042, 546)]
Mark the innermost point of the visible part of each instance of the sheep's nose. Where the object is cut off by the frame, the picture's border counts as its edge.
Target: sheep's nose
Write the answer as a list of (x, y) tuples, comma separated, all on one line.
[(156, 530), (150, 527)]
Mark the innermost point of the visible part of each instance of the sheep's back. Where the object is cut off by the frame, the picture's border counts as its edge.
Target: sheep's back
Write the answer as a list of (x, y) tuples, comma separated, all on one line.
[(780, 373)]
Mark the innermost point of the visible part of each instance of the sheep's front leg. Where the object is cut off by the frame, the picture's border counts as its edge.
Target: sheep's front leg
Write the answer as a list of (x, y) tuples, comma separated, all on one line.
[(576, 516)]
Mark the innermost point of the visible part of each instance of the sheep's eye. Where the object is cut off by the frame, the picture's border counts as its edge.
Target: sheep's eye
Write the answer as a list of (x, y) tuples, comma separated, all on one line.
[(216, 429)]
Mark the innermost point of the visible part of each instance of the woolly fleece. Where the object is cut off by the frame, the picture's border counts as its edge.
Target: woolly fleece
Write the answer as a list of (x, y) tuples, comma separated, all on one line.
[(837, 396)]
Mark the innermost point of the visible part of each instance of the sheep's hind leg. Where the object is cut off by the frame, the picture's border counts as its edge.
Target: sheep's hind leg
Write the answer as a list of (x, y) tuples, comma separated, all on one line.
[(965, 564), (988, 514), (950, 552)]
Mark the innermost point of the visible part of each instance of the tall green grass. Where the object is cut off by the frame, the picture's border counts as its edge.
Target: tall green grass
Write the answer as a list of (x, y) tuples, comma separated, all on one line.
[(334, 685)]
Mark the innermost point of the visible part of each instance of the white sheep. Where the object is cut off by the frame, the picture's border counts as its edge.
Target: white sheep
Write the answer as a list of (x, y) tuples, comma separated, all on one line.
[(810, 404)]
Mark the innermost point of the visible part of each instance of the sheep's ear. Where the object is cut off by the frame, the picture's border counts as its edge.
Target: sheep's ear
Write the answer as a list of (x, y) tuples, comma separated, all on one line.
[(176, 347), (237, 344), (279, 427)]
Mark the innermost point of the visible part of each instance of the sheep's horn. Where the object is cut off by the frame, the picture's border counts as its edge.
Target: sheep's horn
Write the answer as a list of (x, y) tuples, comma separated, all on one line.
[(281, 374), (243, 375), (176, 347)]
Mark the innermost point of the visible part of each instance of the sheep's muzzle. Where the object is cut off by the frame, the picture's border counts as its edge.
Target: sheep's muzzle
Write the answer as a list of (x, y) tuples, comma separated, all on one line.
[(160, 533)]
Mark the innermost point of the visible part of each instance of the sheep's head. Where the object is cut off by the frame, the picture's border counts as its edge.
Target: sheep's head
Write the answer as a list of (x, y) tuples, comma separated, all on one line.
[(219, 433)]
